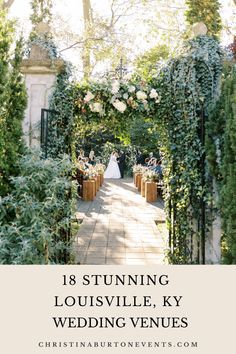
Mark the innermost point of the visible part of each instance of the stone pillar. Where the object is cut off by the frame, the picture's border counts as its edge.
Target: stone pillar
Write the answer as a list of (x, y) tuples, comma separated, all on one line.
[(40, 73)]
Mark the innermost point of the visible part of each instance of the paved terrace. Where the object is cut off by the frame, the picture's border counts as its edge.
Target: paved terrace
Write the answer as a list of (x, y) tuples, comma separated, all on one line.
[(119, 227)]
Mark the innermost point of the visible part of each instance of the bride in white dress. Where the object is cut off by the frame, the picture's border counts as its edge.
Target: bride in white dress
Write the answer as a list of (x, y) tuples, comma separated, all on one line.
[(112, 170)]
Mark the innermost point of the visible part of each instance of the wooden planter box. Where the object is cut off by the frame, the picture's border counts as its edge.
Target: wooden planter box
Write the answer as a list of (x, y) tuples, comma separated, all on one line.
[(94, 189), (88, 190), (99, 181), (143, 182), (96, 184), (151, 192), (134, 178), (138, 181)]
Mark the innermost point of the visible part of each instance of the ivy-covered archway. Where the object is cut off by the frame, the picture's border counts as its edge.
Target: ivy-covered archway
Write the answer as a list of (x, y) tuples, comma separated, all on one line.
[(178, 98)]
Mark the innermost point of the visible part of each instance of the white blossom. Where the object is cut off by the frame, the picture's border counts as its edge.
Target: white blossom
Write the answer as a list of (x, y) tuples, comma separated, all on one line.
[(141, 95), (125, 96), (115, 87), (153, 93), (128, 76), (145, 103), (89, 96), (131, 89), (120, 106), (96, 107)]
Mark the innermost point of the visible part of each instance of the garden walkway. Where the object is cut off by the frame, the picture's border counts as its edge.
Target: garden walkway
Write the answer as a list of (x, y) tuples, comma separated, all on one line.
[(119, 227)]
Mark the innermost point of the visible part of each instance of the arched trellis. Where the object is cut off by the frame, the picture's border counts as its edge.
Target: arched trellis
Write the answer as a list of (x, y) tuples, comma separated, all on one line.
[(177, 99)]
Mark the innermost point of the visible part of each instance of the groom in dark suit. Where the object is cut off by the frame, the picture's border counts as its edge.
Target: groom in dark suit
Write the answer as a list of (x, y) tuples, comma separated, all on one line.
[(121, 163)]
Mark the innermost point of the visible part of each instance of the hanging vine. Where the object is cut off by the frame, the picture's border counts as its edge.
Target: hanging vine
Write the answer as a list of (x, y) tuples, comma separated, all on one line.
[(191, 84), (221, 157)]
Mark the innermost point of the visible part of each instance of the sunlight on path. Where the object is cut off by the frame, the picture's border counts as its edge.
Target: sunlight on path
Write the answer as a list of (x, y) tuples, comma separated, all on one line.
[(119, 227)]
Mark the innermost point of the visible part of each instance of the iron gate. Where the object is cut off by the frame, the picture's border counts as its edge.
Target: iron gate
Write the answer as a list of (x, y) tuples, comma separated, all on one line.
[(46, 121)]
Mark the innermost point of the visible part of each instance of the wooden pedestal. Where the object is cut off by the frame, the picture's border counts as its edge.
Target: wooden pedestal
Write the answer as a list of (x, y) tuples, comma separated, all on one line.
[(88, 190), (96, 184), (143, 182), (151, 192), (99, 181), (138, 181)]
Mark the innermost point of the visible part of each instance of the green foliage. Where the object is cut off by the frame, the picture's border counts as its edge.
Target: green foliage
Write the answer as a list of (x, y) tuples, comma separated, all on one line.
[(41, 11), (144, 134), (36, 217), (61, 123), (206, 11), (12, 103), (189, 86), (146, 64), (221, 156)]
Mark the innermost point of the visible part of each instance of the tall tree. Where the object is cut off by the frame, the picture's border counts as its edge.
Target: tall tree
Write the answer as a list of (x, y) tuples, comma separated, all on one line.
[(41, 11), (12, 103), (6, 35), (7, 4), (17, 99), (207, 11), (88, 22), (146, 63)]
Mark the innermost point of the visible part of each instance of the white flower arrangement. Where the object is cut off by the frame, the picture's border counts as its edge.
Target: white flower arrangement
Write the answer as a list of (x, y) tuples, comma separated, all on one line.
[(100, 168), (153, 93), (127, 77), (139, 169), (115, 87), (120, 106), (89, 96), (141, 95)]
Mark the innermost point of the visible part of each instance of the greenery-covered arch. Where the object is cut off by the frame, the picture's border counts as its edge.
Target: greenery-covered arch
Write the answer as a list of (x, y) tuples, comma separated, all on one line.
[(178, 99)]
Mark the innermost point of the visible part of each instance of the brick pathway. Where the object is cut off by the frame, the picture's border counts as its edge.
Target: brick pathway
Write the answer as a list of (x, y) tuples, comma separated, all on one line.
[(119, 227)]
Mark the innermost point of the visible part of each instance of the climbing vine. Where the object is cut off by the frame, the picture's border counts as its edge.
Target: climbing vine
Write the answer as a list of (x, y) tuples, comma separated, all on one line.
[(41, 16), (221, 156), (62, 120), (41, 11), (191, 83)]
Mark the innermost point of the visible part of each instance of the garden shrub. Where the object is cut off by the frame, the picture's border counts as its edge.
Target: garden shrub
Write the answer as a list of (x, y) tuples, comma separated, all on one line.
[(35, 219)]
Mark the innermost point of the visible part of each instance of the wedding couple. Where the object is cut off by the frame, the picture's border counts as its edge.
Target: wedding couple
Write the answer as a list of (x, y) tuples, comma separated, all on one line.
[(116, 166)]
